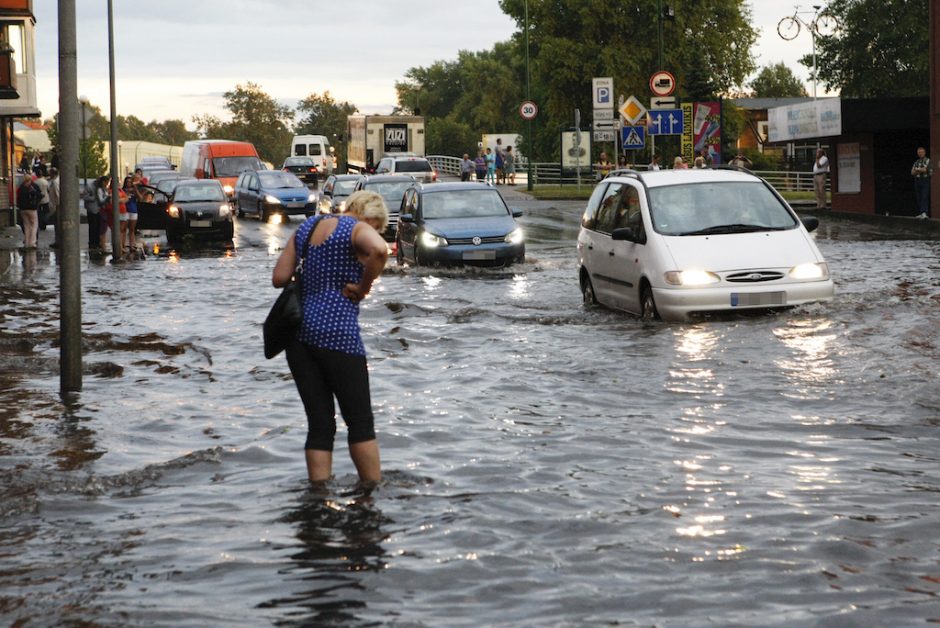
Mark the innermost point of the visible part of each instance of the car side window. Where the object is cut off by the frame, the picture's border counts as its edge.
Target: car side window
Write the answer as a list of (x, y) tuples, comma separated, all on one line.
[(607, 212), (589, 219)]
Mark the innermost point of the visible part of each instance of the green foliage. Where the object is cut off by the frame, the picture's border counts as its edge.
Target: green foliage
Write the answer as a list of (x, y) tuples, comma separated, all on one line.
[(878, 40), (256, 118), (448, 136), (324, 116), (777, 81), (91, 157)]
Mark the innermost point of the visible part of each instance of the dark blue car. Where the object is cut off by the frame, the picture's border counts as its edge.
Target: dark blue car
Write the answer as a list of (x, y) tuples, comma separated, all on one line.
[(264, 193), (458, 223)]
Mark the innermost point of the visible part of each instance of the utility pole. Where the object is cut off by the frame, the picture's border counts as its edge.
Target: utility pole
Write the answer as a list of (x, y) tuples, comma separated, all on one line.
[(117, 253), (528, 96), (70, 277)]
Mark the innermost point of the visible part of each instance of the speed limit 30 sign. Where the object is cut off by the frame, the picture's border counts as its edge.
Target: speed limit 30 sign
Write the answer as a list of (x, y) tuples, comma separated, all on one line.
[(528, 110)]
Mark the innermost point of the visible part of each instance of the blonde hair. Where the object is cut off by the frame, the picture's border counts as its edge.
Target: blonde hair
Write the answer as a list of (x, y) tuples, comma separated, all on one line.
[(366, 205), (677, 160)]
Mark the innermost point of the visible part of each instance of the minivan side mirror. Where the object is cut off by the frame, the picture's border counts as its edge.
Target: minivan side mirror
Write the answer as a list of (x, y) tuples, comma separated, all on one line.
[(810, 222), (516, 212), (623, 233)]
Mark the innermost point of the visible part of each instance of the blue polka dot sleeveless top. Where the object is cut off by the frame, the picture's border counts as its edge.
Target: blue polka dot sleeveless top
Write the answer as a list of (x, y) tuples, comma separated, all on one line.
[(330, 320)]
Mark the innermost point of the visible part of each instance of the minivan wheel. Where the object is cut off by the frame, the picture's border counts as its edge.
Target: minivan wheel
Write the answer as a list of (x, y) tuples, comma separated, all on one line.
[(648, 310), (587, 290)]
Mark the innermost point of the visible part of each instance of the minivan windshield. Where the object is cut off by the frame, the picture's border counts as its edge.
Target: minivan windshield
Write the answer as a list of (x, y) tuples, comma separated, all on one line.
[(234, 166), (717, 207), (463, 204)]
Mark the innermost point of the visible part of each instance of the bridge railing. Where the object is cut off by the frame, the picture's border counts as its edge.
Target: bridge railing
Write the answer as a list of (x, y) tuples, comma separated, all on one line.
[(545, 173)]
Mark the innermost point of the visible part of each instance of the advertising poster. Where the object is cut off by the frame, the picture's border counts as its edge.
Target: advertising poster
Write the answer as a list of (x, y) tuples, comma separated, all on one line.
[(822, 118), (688, 139), (706, 129), (850, 168), (572, 155)]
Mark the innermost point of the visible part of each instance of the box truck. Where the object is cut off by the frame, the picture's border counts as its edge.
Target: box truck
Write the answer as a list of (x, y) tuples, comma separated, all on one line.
[(372, 137)]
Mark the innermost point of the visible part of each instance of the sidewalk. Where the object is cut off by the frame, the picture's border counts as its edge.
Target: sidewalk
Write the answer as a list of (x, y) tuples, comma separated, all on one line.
[(11, 238)]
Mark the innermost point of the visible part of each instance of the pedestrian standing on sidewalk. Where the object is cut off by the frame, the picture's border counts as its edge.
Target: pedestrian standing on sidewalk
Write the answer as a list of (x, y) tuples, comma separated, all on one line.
[(490, 166), (820, 170), (466, 167), (509, 167), (28, 197), (90, 200), (342, 256), (105, 215), (54, 205), (43, 185), (479, 165), (921, 171)]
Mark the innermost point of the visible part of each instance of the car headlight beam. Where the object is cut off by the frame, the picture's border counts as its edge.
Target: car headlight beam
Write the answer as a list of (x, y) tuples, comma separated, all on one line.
[(691, 278), (312, 198), (515, 236), (271, 200), (225, 210), (173, 211), (432, 241), (810, 271)]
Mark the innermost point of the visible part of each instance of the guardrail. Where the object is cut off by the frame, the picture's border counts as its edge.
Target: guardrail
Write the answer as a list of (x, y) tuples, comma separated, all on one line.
[(551, 174)]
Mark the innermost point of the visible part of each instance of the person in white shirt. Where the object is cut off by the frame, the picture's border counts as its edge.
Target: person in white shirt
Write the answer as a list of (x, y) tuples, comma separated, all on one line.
[(820, 170)]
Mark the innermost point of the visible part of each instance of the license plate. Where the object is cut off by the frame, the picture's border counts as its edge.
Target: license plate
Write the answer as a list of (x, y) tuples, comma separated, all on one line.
[(758, 298), (476, 256), (200, 223), (297, 204)]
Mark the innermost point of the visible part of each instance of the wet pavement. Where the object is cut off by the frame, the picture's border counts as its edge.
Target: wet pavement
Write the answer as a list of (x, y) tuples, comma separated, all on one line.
[(545, 464)]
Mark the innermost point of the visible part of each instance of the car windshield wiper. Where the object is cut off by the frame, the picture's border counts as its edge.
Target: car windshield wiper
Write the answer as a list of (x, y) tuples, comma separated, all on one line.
[(731, 228)]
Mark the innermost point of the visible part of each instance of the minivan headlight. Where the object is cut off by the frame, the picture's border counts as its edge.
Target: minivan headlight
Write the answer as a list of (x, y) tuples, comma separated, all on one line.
[(173, 211), (272, 200), (691, 277), (224, 210), (515, 236), (810, 271), (312, 198), (430, 240)]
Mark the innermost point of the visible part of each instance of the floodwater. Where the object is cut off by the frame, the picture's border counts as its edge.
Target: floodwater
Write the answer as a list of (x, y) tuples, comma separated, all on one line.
[(545, 464)]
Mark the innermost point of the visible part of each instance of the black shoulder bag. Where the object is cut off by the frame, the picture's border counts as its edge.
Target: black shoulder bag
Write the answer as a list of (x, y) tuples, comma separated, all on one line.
[(280, 326)]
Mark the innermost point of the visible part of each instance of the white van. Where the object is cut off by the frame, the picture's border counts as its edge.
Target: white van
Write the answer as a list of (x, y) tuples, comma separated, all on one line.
[(317, 147)]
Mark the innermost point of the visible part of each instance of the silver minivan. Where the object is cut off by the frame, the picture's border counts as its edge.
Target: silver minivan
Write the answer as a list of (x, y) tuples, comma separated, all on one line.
[(674, 243)]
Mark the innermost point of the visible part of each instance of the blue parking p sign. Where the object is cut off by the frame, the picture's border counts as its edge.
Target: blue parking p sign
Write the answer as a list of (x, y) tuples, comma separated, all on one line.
[(633, 137)]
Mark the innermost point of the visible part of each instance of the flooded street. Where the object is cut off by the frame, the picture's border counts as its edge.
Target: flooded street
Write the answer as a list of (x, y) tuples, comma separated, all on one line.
[(545, 464)]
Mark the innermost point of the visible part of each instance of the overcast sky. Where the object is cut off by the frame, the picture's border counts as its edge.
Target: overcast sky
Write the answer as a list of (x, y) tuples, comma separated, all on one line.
[(175, 58)]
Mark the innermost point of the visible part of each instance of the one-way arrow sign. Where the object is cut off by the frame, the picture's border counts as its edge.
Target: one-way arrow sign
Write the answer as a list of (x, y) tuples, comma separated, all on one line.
[(663, 102)]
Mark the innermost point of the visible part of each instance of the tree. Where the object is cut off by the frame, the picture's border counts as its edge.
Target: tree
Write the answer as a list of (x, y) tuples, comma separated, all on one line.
[(256, 118), (777, 81), (878, 40), (448, 136), (572, 41), (91, 159), (324, 116)]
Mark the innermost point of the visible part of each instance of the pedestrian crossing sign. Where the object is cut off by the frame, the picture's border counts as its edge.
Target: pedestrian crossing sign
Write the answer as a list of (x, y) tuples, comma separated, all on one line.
[(633, 137)]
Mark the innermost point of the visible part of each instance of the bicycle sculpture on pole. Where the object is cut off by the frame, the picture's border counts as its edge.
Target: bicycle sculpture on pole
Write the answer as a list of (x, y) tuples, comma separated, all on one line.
[(823, 23)]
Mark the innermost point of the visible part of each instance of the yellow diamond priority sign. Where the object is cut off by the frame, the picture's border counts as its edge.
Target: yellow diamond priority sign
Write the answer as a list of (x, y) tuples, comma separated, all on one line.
[(632, 110)]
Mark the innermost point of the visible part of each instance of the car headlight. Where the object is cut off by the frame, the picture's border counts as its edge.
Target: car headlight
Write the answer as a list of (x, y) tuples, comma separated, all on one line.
[(810, 271), (225, 210), (432, 241), (173, 211), (272, 200), (691, 277), (312, 198), (228, 189), (515, 236)]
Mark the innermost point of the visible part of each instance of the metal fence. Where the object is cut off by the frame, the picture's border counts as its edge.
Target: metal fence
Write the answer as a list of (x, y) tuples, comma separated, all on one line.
[(552, 174)]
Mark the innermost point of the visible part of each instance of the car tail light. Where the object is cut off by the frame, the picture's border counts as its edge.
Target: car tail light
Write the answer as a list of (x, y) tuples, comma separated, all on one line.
[(313, 169), (434, 175)]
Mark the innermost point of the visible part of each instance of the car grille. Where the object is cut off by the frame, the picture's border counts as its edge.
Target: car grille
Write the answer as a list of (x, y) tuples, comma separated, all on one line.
[(754, 276), (487, 240)]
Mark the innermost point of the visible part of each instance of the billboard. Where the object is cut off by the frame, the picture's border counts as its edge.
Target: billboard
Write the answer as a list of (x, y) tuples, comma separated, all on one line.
[(820, 118)]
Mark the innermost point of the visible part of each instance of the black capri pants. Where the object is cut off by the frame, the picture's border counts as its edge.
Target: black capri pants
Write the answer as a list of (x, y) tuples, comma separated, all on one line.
[(321, 374)]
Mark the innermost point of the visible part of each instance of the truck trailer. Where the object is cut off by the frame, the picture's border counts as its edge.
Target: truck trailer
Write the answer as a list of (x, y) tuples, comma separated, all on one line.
[(372, 137)]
